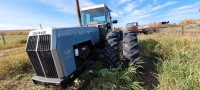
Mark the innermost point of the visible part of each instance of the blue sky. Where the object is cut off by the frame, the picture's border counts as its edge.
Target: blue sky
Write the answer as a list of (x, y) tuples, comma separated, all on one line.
[(28, 14)]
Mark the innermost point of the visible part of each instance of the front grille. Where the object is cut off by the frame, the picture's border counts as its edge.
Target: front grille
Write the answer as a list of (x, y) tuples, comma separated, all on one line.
[(45, 55), (31, 51), (32, 41), (35, 63), (44, 42)]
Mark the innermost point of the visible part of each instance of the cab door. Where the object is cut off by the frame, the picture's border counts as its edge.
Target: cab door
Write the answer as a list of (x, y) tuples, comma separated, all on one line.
[(108, 20)]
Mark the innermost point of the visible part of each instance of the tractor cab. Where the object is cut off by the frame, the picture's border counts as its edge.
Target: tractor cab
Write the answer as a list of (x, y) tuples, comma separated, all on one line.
[(97, 15)]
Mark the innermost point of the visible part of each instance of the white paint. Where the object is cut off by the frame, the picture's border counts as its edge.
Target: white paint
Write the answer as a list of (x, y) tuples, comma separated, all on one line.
[(93, 7)]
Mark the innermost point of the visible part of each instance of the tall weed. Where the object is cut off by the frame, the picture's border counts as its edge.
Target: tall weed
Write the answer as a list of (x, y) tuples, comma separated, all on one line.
[(110, 79)]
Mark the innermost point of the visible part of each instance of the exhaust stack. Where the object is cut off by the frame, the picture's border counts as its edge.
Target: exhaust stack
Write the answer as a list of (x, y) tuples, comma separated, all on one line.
[(78, 12)]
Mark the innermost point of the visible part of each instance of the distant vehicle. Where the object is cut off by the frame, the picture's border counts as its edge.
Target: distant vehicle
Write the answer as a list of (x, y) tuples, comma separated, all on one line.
[(144, 29), (148, 29), (132, 26)]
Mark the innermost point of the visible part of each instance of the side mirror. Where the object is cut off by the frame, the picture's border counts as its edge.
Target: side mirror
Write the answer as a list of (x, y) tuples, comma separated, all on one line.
[(114, 21)]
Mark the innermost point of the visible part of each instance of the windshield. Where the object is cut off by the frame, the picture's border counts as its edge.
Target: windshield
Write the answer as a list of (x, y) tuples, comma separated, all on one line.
[(94, 16)]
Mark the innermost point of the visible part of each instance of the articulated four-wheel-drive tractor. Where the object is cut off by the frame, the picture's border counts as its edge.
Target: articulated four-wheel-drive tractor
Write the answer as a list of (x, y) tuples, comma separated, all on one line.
[(60, 55)]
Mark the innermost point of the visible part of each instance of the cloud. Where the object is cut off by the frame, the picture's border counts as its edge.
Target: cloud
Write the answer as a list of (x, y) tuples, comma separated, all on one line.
[(130, 7), (117, 14), (162, 6), (186, 7), (144, 15), (155, 2), (182, 8), (114, 14), (183, 12), (138, 12), (149, 9), (123, 1), (121, 12), (64, 6)]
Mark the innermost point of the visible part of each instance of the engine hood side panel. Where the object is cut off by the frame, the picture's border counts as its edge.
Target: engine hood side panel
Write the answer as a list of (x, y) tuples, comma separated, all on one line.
[(67, 38)]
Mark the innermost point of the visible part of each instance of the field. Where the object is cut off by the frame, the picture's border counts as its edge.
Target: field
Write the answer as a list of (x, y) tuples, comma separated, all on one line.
[(175, 59), (12, 39), (168, 60)]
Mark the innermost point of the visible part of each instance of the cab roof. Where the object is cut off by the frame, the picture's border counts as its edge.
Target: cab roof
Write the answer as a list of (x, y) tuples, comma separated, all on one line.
[(94, 7)]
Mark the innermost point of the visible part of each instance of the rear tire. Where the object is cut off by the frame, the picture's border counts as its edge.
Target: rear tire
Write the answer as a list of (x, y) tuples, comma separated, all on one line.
[(130, 47), (116, 50)]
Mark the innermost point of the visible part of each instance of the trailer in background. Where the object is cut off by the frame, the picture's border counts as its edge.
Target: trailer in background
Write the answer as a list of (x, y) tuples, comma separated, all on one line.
[(148, 29)]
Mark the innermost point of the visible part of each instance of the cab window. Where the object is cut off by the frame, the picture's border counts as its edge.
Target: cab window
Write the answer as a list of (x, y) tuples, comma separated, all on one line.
[(108, 15), (96, 16)]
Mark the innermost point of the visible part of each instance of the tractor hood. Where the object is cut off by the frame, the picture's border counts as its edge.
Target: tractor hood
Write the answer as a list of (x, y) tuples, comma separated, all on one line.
[(61, 43)]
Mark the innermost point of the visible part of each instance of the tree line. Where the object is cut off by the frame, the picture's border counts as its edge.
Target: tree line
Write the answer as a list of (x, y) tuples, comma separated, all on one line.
[(15, 33), (190, 21)]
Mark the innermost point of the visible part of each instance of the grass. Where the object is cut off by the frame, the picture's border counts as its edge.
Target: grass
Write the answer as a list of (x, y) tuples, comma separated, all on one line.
[(15, 68), (175, 57), (13, 65), (101, 78), (9, 46), (16, 71), (12, 39), (170, 61)]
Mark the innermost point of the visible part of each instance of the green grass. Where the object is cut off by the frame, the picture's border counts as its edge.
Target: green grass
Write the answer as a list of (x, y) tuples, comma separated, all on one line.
[(176, 59), (12, 39), (101, 78)]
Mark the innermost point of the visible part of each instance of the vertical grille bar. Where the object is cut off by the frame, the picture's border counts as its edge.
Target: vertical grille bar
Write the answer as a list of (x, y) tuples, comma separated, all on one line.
[(32, 41), (45, 55), (31, 51)]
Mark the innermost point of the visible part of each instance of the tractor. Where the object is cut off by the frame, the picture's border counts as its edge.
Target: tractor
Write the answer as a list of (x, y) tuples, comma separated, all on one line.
[(60, 55), (132, 26)]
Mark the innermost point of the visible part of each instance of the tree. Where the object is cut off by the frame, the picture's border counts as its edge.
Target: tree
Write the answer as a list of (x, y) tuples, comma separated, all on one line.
[(191, 21)]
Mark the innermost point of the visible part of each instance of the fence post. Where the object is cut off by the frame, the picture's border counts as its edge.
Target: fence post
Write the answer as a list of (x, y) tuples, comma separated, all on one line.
[(182, 30), (4, 42)]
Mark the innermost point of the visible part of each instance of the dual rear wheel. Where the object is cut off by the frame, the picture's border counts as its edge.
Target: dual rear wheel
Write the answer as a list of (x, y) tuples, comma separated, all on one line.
[(121, 47)]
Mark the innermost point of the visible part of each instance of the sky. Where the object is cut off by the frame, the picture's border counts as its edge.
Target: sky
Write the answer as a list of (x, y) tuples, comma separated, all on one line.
[(28, 14)]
